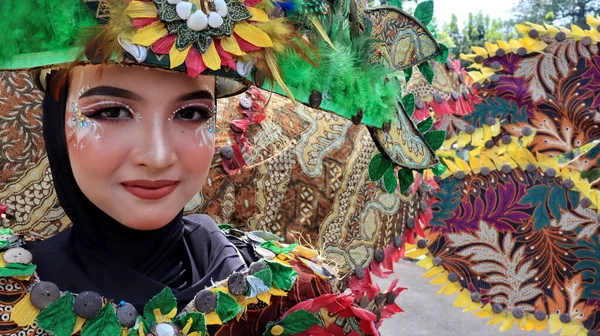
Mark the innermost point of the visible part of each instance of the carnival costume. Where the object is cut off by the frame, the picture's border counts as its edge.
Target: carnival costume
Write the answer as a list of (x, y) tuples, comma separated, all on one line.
[(339, 57)]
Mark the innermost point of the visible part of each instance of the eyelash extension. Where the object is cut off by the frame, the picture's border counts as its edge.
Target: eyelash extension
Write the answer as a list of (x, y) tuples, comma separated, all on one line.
[(205, 111), (95, 109)]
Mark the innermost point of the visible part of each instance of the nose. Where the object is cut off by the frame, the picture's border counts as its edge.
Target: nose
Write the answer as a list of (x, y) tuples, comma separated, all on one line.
[(154, 146)]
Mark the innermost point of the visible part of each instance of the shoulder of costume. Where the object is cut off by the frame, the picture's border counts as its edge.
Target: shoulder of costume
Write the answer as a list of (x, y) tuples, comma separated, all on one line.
[(290, 281)]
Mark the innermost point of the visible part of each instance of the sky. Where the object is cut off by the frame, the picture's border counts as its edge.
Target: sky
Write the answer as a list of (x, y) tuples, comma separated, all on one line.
[(494, 8)]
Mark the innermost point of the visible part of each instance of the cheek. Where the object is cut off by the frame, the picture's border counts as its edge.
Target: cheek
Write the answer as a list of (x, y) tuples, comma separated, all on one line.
[(195, 156), (95, 163)]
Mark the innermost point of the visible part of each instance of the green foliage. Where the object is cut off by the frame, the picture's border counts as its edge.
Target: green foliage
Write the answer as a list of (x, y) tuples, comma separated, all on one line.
[(266, 276), (165, 301), (59, 317), (557, 12), (424, 12), (378, 166), (105, 323)]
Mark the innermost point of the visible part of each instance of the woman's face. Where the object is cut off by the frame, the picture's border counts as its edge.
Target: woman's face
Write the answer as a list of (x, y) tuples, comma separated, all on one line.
[(140, 140)]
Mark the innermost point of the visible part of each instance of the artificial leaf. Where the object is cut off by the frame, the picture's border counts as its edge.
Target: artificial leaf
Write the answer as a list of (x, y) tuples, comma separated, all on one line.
[(390, 181), (378, 166), (273, 247), (198, 323), (396, 3), (439, 170), (265, 275), (408, 102), (225, 227), (104, 323), (255, 287), (424, 12), (297, 322), (443, 55), (165, 301), (427, 71), (59, 317), (283, 276), (17, 269), (227, 307), (425, 125), (435, 139), (406, 178), (408, 74)]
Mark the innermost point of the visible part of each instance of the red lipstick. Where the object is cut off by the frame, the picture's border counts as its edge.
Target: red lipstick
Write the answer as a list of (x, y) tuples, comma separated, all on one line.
[(150, 190)]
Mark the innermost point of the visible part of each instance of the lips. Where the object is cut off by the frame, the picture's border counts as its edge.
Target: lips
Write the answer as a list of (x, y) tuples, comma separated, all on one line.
[(150, 190)]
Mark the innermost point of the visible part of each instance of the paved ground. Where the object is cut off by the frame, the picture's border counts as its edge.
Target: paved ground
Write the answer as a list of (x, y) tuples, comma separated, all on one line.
[(426, 313)]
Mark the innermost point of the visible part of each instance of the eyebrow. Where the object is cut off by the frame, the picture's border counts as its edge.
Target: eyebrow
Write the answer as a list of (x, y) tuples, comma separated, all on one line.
[(111, 91), (201, 94)]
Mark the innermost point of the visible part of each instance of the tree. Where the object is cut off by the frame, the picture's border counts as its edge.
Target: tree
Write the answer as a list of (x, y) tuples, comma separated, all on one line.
[(558, 12)]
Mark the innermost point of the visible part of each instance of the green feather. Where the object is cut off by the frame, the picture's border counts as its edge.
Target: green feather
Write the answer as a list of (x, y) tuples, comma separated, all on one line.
[(41, 25)]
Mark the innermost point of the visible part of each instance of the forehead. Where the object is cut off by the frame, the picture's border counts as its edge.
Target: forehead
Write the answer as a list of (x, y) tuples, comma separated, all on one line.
[(147, 82)]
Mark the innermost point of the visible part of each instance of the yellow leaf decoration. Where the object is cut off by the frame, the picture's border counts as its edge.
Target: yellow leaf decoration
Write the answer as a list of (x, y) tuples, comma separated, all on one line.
[(230, 45), (177, 57), (148, 35), (258, 15), (141, 10), (253, 35), (211, 57), (24, 313)]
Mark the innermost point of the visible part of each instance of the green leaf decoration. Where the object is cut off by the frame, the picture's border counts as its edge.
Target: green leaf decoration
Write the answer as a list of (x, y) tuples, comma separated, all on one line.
[(264, 235), (378, 166), (435, 139), (283, 276), (17, 269), (407, 178), (424, 12), (225, 227), (271, 246), (165, 301), (427, 71), (442, 57), (448, 198), (59, 317), (390, 181), (298, 321), (439, 170), (549, 201), (425, 125), (408, 74), (105, 323), (265, 275), (198, 322), (227, 307), (408, 102)]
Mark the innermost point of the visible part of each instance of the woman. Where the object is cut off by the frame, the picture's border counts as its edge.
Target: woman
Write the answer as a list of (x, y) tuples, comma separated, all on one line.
[(129, 135), (128, 148)]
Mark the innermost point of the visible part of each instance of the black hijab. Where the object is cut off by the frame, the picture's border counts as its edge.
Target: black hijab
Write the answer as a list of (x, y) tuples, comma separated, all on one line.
[(97, 253)]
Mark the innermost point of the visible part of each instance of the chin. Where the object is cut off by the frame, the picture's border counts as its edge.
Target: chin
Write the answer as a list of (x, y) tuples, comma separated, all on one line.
[(147, 220)]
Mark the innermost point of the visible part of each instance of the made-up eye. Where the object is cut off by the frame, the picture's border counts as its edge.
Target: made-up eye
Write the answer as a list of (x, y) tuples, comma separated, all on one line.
[(194, 113)]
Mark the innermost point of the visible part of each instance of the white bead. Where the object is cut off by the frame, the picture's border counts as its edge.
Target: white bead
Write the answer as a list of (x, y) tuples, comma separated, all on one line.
[(173, 2), (215, 20), (164, 330), (184, 9), (221, 7), (197, 21), (246, 102)]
